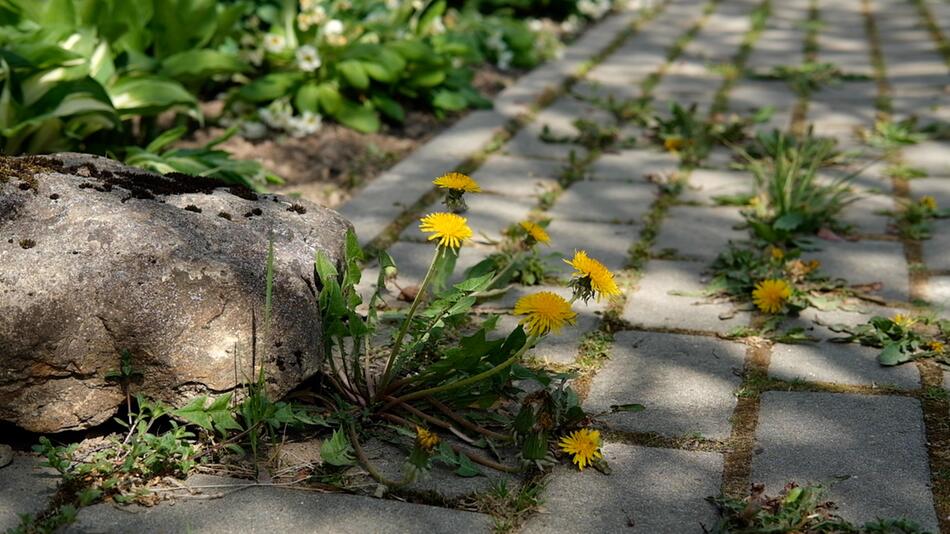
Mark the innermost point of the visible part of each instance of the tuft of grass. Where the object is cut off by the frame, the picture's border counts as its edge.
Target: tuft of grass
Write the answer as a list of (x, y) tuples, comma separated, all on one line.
[(510, 507)]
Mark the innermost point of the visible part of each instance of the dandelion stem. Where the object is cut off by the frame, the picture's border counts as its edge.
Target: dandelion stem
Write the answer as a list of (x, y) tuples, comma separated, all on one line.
[(420, 295), (470, 380)]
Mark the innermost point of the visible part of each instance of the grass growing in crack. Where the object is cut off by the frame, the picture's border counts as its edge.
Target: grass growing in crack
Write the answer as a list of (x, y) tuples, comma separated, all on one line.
[(892, 135), (510, 506), (804, 509)]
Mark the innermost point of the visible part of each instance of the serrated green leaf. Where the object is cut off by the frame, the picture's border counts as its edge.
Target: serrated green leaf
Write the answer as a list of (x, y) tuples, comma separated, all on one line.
[(336, 450)]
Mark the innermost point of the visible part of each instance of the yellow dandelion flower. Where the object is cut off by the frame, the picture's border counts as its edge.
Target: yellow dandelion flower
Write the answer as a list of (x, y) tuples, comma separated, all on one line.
[(929, 202), (770, 295), (584, 445), (937, 346), (545, 312), (458, 182), (450, 229), (673, 143), (427, 440), (536, 232), (903, 321), (594, 274), (777, 253), (813, 265)]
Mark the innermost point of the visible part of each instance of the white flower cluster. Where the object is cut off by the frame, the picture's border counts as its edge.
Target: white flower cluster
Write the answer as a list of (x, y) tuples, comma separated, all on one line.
[(503, 54), (333, 31), (308, 60), (594, 9), (279, 115), (311, 14)]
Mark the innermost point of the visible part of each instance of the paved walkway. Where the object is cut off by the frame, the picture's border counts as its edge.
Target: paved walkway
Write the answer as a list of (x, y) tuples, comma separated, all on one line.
[(707, 427)]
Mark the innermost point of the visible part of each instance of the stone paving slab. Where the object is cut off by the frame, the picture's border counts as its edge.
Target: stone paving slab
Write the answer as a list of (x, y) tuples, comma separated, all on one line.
[(838, 363), (706, 184), (687, 384), (25, 488), (636, 164), (649, 490), (865, 214), (413, 259), (930, 156), (699, 232), (608, 243), (610, 202), (266, 510), (865, 262), (517, 176), (653, 306), (821, 324), (936, 254), (938, 293), (870, 452)]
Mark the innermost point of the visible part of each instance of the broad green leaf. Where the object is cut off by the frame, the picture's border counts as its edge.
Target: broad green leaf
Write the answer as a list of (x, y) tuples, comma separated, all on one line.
[(354, 73), (194, 412), (467, 468), (270, 87), (892, 355), (308, 98), (149, 96), (359, 118), (325, 268), (166, 138), (411, 50), (378, 72), (331, 101), (201, 64), (389, 107), (790, 221), (429, 78)]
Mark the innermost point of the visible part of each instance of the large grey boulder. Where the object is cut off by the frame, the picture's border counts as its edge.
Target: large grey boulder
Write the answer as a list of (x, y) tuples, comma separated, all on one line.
[(97, 258)]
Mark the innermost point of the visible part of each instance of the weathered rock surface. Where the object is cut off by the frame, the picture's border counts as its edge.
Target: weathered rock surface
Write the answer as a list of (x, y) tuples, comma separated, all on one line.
[(98, 258)]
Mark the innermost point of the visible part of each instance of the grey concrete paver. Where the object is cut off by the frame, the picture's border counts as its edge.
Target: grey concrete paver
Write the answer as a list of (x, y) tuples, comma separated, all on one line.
[(269, 509), (867, 262), (25, 488), (608, 243), (699, 232), (635, 164), (668, 296), (517, 176), (706, 184), (687, 384), (650, 490), (869, 451), (838, 363), (611, 202)]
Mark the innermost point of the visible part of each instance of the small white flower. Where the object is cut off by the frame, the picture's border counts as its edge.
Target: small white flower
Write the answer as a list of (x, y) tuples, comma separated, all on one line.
[(306, 124), (438, 27), (275, 43), (570, 24), (307, 5), (308, 59), (277, 114), (418, 4), (535, 25), (304, 21), (253, 130), (392, 4), (333, 28)]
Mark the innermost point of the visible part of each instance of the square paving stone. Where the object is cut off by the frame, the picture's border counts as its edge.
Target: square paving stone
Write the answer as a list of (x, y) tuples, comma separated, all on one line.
[(865, 262), (517, 176), (706, 184), (608, 243), (938, 293), (413, 259), (653, 306), (649, 490), (937, 248), (929, 155), (25, 488), (838, 363), (686, 383), (609, 202), (265, 510), (633, 165), (528, 144), (699, 232), (937, 187), (865, 214), (869, 451)]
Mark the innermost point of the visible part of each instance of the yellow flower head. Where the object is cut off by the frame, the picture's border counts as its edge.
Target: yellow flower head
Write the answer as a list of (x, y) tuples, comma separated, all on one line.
[(584, 445), (903, 321), (777, 253), (450, 229), (673, 143), (592, 276), (426, 440), (770, 295), (545, 312), (458, 182), (937, 346), (929, 202), (536, 232), (813, 265)]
